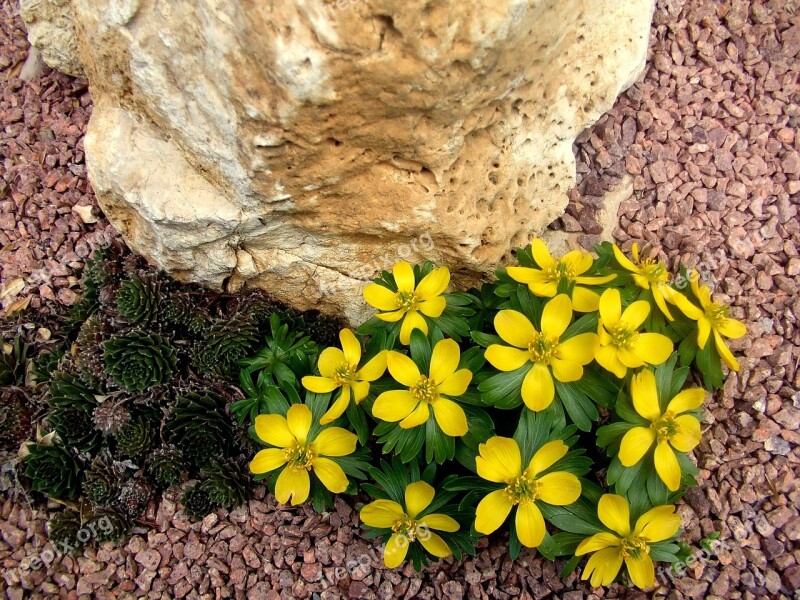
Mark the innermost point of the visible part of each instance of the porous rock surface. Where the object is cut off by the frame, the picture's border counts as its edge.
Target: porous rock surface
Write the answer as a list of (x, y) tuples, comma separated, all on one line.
[(301, 146), (51, 29)]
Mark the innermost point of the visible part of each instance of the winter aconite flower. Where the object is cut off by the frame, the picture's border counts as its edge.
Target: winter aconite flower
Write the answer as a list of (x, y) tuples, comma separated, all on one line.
[(622, 347), (632, 547), (339, 369), (411, 300), (409, 525), (669, 431), (500, 461), (650, 274), (412, 406), (299, 455), (550, 356), (713, 317), (569, 268)]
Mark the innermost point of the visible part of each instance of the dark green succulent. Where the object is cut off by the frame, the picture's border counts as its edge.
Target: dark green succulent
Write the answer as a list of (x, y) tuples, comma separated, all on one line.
[(137, 436), (53, 471), (197, 502), (89, 350), (103, 480), (96, 275), (15, 417), (46, 364), (165, 465), (225, 343), (200, 428), (63, 531), (110, 416), (139, 360), (180, 311), (109, 523), (227, 482), (134, 495), (139, 298), (13, 361), (72, 405)]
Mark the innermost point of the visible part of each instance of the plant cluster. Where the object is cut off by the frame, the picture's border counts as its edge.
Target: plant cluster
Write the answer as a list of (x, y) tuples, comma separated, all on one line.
[(560, 403)]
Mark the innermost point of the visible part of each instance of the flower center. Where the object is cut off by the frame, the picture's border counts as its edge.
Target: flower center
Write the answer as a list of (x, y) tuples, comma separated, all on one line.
[(654, 271), (407, 527), (407, 301), (717, 312), (522, 488), (299, 456), (542, 348), (344, 374), (622, 337), (558, 270), (634, 547), (424, 390), (665, 426)]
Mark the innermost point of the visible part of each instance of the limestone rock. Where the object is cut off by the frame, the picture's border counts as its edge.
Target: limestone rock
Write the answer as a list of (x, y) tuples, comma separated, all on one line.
[(302, 146), (51, 29)]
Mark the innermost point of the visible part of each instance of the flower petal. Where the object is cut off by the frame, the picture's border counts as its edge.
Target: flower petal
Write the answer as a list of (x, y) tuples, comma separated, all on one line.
[(688, 435), (404, 276), (610, 307), (660, 293), (360, 390), (658, 524), (375, 367), (456, 384), (540, 253), (557, 315), (267, 460), (506, 358), (499, 460), (635, 314), (417, 417), (526, 275), (603, 567), (580, 348), (380, 297), (597, 542), (394, 405), (402, 368), (337, 409), (724, 352), (630, 358), (585, 300), (653, 348), (514, 328), (440, 522), (381, 514), (299, 418), (546, 290), (559, 488), (274, 430), (615, 514), (732, 329), (703, 331), (492, 511), (450, 417), (418, 496), (624, 261), (351, 347), (530, 524), (320, 385), (607, 357), (687, 400), (413, 320), (392, 317), (433, 284), (394, 553), (538, 389), (329, 359), (330, 474), (566, 370), (635, 444), (433, 308), (335, 441), (292, 484), (579, 261), (433, 543), (667, 465), (641, 571), (644, 395), (546, 456), (444, 360)]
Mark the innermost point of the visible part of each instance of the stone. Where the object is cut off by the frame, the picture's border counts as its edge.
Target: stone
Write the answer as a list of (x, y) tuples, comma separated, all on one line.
[(51, 29), (302, 148)]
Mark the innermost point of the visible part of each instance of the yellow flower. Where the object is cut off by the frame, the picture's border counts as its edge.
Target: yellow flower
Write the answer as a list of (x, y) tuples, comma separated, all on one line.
[(411, 406), (408, 525), (550, 357), (610, 550), (650, 274), (622, 347), (552, 271), (500, 461), (410, 299), (299, 454), (339, 369), (712, 318), (669, 430)]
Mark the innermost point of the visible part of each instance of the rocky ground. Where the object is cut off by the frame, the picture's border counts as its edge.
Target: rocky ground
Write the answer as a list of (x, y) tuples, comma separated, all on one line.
[(710, 135)]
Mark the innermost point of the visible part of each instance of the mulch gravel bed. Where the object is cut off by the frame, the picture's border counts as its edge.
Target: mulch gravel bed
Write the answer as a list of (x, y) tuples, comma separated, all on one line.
[(710, 135)]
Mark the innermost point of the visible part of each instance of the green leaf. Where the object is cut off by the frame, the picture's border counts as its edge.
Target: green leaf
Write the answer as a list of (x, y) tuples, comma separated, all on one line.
[(503, 389), (580, 409), (420, 349), (612, 433)]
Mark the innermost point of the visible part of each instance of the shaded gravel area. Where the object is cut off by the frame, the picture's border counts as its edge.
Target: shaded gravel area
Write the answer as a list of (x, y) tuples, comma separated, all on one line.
[(710, 135)]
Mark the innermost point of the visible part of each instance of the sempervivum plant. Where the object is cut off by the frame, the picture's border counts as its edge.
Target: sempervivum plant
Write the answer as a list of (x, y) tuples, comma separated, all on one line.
[(63, 530), (138, 299), (139, 360), (180, 311), (200, 428), (227, 482), (197, 502), (52, 471), (225, 343), (72, 405), (110, 416), (137, 436), (165, 465), (109, 523), (89, 350), (134, 495), (103, 480), (15, 417)]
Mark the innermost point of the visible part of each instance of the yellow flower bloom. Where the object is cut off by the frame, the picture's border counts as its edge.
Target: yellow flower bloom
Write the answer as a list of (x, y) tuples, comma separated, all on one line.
[(622, 347), (713, 318), (552, 271), (550, 357), (632, 547), (339, 369), (411, 406), (298, 455), (671, 430), (500, 461), (410, 299), (408, 525)]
